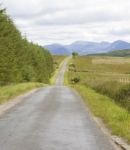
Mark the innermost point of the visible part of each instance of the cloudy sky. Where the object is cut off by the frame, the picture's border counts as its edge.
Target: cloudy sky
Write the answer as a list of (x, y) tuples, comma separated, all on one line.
[(66, 21)]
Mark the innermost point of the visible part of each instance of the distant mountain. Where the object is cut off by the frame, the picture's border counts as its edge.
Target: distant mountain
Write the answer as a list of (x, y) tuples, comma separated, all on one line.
[(57, 49), (118, 45), (116, 53), (86, 47)]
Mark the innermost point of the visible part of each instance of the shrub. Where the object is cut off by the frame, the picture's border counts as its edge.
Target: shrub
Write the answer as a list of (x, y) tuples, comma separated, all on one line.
[(72, 67), (75, 54), (75, 80)]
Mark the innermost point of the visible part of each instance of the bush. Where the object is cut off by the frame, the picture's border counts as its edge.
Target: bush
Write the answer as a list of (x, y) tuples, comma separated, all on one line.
[(72, 67), (75, 80), (75, 54)]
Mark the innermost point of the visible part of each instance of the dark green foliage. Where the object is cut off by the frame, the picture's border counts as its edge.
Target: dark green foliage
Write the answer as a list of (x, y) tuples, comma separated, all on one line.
[(21, 60), (75, 80), (75, 54)]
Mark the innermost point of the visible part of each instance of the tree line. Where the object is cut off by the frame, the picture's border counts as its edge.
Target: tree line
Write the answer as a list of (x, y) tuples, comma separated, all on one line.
[(20, 60)]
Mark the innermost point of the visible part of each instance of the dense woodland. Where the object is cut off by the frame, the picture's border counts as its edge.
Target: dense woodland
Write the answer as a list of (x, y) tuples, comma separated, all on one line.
[(20, 60)]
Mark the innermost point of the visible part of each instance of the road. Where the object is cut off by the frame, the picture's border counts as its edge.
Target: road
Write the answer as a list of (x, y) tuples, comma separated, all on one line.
[(53, 118)]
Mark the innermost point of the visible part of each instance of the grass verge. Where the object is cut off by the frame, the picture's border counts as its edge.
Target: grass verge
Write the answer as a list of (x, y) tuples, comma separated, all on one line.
[(114, 116), (11, 91), (55, 74)]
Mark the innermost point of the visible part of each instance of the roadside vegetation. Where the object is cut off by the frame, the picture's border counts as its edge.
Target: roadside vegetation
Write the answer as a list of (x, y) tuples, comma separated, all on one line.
[(57, 63), (106, 75), (116, 118), (20, 60), (11, 91), (104, 82), (23, 64)]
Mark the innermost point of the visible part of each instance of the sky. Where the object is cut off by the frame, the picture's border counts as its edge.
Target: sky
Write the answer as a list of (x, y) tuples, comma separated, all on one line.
[(65, 21)]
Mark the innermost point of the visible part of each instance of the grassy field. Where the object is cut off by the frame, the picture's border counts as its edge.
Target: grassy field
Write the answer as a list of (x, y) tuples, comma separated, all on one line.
[(107, 75), (57, 59), (11, 91), (104, 83)]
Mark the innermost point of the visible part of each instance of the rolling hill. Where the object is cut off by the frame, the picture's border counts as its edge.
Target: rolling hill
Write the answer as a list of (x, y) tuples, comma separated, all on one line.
[(117, 53)]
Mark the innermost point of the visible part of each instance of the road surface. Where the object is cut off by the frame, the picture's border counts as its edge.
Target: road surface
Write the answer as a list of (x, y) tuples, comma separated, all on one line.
[(53, 118)]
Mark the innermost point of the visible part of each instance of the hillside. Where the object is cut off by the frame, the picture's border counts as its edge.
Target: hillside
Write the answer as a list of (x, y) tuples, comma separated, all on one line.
[(87, 47), (20, 60), (118, 53)]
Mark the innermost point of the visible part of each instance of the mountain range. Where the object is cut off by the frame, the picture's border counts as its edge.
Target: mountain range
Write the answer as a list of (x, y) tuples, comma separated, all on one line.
[(87, 47)]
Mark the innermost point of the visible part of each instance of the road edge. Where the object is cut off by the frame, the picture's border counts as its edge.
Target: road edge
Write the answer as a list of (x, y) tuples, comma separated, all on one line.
[(10, 104), (118, 142)]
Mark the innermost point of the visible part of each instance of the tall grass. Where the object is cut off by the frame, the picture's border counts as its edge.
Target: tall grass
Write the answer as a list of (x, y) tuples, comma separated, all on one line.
[(108, 76), (57, 62), (115, 117), (102, 88), (118, 91)]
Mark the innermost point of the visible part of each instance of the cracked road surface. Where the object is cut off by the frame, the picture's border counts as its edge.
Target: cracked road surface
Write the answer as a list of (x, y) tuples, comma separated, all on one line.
[(53, 118)]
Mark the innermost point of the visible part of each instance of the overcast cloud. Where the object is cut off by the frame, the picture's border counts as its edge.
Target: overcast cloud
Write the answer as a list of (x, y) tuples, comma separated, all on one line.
[(65, 21)]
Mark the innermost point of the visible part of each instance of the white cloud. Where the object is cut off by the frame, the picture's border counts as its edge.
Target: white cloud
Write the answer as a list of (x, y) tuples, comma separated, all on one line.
[(64, 21)]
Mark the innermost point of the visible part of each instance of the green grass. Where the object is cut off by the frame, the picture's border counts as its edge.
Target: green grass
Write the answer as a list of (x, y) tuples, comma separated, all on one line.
[(58, 61), (104, 75), (107, 75), (114, 65), (55, 74), (115, 117), (11, 91)]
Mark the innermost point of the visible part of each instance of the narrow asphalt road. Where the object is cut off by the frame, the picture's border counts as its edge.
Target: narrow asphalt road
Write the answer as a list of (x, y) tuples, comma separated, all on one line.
[(53, 118)]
